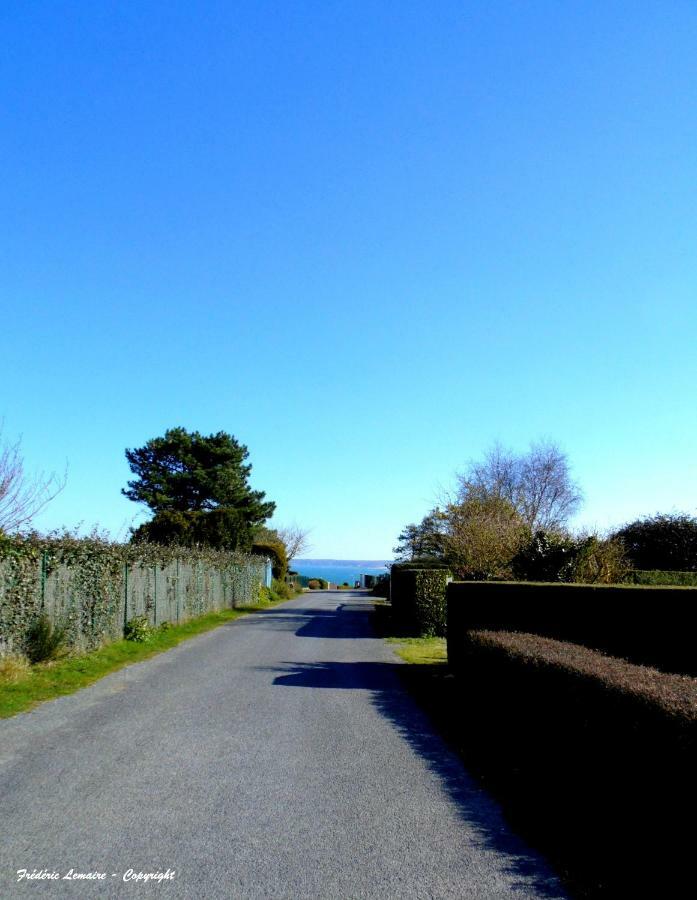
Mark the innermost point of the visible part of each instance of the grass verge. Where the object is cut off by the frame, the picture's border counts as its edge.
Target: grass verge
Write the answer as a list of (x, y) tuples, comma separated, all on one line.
[(421, 651), (47, 681)]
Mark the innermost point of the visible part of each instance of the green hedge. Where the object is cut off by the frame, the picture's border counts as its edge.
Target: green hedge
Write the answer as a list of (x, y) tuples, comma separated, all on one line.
[(657, 576), (418, 599), (92, 587), (646, 625), (593, 757)]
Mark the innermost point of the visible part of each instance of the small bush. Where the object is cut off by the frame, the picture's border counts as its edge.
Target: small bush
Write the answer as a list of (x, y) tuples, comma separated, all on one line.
[(44, 640), (13, 666), (279, 590), (282, 589), (138, 629)]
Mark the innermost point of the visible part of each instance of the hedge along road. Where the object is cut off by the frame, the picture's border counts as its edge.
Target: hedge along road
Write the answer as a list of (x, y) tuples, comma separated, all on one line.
[(277, 756)]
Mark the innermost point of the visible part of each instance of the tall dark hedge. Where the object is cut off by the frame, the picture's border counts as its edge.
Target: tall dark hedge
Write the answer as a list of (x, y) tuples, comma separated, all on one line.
[(647, 625), (418, 599), (592, 757)]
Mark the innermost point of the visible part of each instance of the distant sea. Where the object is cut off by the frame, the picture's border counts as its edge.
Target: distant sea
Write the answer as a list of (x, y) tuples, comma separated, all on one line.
[(340, 570)]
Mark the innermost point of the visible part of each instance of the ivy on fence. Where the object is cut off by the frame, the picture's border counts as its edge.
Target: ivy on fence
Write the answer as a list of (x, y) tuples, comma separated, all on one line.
[(92, 586)]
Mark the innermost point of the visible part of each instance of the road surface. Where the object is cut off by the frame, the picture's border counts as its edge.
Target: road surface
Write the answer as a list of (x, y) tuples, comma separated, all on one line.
[(275, 757)]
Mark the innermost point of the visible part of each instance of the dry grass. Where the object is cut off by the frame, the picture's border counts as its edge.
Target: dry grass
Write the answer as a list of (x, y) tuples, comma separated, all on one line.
[(13, 666)]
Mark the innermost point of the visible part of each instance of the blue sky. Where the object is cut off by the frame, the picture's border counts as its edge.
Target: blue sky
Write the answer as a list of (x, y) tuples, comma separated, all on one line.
[(366, 238)]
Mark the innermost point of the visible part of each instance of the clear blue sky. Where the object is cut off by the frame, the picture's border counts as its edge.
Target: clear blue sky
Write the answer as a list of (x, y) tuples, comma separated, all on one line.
[(366, 238)]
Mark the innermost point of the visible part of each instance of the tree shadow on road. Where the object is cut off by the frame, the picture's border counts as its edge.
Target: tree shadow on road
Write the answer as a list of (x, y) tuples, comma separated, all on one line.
[(283, 619), (347, 620), (475, 807)]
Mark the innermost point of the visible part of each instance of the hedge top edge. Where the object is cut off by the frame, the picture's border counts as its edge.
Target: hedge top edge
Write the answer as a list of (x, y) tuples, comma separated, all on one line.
[(527, 585)]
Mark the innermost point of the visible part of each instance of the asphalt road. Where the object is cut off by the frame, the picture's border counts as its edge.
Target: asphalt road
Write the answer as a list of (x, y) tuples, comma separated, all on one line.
[(277, 756)]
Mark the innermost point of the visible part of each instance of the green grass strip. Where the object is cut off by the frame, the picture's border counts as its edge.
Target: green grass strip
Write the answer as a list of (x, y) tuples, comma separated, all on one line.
[(421, 651), (50, 680)]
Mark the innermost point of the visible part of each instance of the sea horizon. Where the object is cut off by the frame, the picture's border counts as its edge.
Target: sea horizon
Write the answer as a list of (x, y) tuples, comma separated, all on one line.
[(339, 571)]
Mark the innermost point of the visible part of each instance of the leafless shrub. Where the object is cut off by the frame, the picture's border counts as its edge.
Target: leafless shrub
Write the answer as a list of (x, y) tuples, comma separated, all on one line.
[(295, 539), (22, 496), (538, 484)]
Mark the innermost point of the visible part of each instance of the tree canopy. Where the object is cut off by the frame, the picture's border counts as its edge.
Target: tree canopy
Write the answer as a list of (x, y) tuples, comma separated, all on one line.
[(197, 487), (476, 537), (500, 502), (665, 541), (538, 484), (425, 540)]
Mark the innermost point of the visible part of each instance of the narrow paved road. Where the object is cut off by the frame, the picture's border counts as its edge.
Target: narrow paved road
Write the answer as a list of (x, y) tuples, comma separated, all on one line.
[(277, 756)]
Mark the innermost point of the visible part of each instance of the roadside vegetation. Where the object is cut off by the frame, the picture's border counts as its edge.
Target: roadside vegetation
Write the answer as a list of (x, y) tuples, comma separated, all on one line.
[(421, 651), (508, 519), (590, 756), (23, 686), (560, 666), (74, 608), (314, 584)]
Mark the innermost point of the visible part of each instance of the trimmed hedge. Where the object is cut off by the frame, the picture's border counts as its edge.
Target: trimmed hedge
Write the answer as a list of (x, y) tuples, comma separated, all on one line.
[(646, 625), (592, 756), (658, 576), (418, 599)]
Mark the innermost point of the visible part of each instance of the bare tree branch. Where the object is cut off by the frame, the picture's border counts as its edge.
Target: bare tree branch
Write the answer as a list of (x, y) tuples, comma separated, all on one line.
[(537, 484), (23, 496), (295, 539)]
